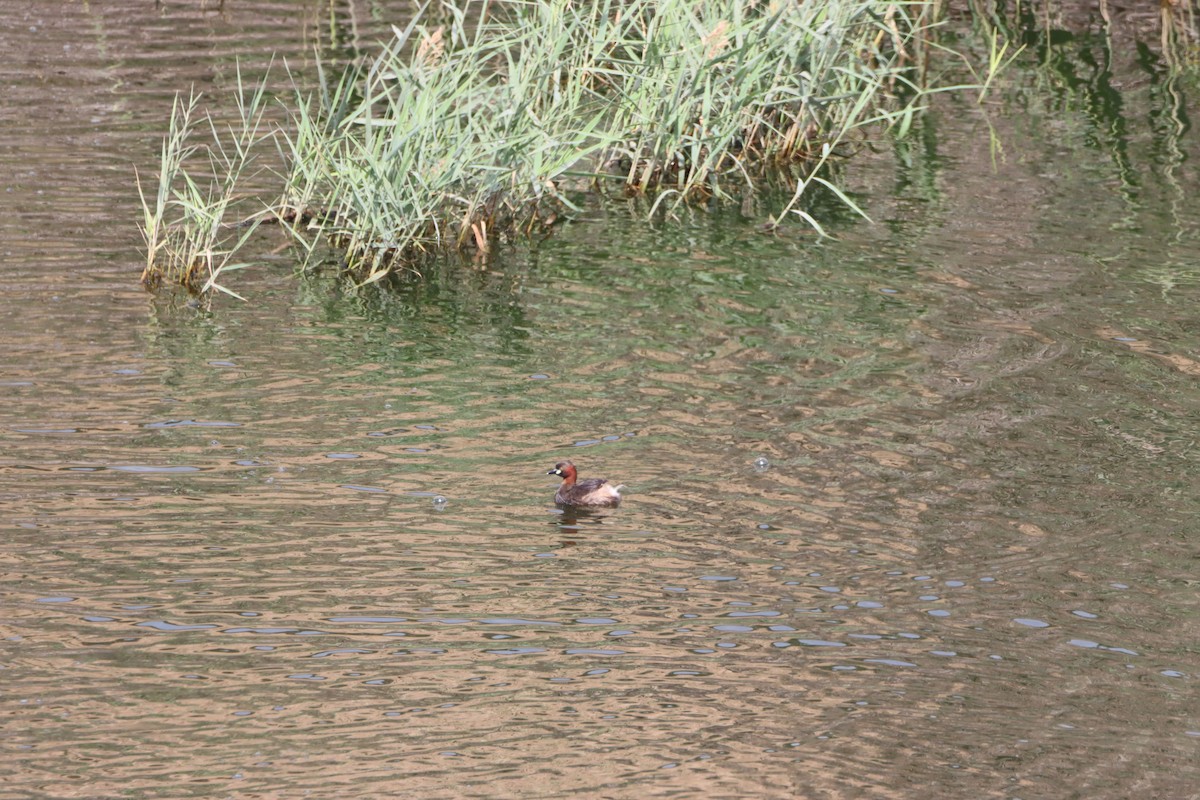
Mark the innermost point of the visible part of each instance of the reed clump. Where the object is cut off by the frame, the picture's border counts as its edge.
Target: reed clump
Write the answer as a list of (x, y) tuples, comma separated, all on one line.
[(481, 121), (186, 224)]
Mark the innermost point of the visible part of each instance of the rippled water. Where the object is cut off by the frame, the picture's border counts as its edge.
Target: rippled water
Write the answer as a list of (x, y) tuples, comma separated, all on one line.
[(967, 570)]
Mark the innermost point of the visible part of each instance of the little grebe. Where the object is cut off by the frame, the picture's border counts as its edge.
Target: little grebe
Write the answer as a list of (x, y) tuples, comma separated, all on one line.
[(592, 492)]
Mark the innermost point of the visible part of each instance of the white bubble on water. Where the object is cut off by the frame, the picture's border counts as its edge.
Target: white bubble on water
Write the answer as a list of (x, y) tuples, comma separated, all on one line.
[(761, 464), (439, 503)]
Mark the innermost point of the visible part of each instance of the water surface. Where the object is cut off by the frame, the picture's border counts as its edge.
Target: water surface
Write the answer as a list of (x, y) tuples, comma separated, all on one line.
[(967, 569)]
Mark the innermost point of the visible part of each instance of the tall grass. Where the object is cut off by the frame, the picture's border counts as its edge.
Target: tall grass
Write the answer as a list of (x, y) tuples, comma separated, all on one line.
[(191, 228), (484, 120)]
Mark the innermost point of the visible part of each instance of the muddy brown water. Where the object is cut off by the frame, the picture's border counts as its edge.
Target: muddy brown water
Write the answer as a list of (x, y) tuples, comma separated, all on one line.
[(969, 569)]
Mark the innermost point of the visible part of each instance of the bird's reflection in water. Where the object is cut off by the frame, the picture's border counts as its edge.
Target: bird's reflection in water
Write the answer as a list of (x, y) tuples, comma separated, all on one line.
[(573, 519)]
